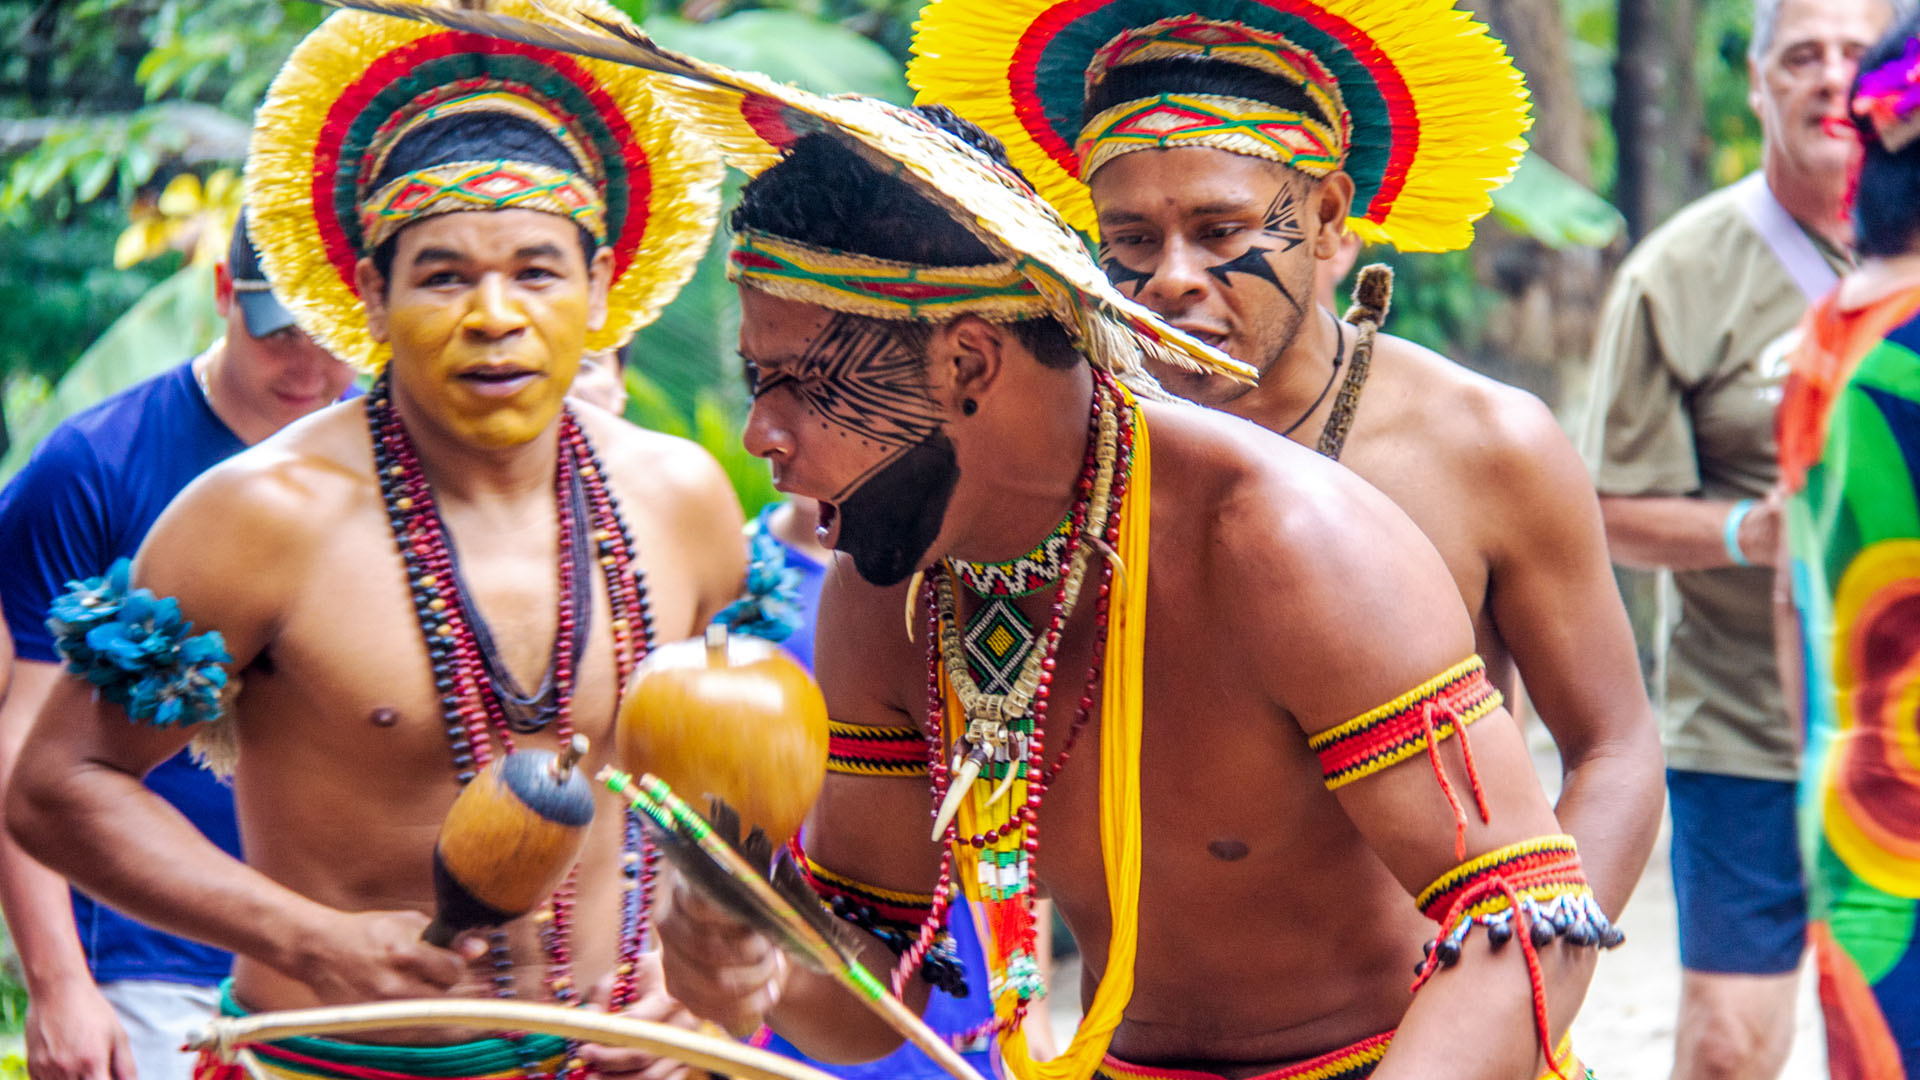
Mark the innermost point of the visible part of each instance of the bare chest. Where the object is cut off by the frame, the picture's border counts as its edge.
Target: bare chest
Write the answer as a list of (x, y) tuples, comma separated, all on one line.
[(348, 679)]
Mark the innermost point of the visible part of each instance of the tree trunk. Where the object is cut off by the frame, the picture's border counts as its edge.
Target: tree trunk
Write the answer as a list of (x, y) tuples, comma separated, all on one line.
[(1538, 336), (1688, 148), (1638, 89), (37, 46)]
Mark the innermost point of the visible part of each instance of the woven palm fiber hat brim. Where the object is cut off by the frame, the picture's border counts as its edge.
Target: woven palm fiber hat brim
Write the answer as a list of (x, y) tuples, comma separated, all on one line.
[(755, 121), (1413, 99), (752, 120), (335, 163)]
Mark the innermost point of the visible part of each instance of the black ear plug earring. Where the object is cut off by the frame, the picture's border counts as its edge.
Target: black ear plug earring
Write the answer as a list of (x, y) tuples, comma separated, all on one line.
[(968, 406)]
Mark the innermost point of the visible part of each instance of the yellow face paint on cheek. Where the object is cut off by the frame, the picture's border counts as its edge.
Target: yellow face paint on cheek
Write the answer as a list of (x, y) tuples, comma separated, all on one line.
[(492, 373)]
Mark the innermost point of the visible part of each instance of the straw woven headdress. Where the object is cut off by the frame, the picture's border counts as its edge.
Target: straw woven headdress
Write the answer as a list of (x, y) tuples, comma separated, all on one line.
[(752, 120), (336, 165), (1411, 98)]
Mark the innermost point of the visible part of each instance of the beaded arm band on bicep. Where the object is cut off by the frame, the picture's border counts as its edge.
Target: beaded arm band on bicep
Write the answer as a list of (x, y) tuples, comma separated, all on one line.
[(872, 751), (1534, 890), (1420, 719), (137, 650), (893, 916)]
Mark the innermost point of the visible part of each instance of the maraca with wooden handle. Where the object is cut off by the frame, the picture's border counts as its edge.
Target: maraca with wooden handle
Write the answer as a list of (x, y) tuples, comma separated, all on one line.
[(509, 840), (728, 717)]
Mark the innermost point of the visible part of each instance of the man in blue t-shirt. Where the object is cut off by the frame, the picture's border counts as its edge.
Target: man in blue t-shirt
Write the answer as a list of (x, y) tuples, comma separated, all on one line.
[(111, 999)]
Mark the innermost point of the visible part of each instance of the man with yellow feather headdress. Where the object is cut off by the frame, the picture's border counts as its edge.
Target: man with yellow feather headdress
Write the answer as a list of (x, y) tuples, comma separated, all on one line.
[(1231, 684), (1218, 157), (402, 589)]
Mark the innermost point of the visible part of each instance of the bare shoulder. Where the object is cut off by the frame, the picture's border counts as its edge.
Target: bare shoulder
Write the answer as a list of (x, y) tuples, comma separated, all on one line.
[(869, 648), (1259, 502), (1499, 434), (1332, 593), (675, 493), (233, 541), (264, 499), (663, 469)]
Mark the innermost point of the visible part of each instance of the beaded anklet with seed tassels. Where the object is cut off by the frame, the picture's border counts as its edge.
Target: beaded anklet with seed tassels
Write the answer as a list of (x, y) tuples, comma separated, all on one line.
[(467, 697), (1013, 843)]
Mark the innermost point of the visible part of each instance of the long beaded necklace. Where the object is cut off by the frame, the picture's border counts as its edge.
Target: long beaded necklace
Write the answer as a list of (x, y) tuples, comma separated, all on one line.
[(1005, 850), (458, 652)]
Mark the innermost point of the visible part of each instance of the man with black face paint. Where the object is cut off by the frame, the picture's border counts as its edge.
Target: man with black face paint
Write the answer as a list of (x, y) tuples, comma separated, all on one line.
[(1221, 163), (1292, 754)]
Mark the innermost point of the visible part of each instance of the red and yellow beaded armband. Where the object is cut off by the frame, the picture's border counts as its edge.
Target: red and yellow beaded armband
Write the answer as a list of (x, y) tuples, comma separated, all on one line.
[(872, 751), (899, 919), (1418, 720), (1533, 890)]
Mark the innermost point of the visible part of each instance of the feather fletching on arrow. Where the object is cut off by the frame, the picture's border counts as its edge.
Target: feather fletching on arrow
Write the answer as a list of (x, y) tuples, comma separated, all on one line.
[(722, 873), (793, 921)]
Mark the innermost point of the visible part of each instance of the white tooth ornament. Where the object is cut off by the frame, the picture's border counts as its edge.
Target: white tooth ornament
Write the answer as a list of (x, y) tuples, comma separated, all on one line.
[(913, 600), (964, 774)]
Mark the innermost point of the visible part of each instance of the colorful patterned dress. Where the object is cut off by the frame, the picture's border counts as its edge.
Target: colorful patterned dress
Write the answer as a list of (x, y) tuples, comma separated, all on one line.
[(1850, 456)]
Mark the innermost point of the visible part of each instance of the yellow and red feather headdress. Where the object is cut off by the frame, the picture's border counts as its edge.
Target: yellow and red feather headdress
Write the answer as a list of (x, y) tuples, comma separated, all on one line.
[(1413, 98), (355, 86)]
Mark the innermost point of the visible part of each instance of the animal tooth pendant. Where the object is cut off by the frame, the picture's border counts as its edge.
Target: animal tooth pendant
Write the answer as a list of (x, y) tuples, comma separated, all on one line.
[(982, 743), (966, 770)]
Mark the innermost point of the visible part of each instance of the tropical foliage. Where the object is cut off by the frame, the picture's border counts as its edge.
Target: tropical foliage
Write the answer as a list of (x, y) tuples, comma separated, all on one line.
[(118, 119)]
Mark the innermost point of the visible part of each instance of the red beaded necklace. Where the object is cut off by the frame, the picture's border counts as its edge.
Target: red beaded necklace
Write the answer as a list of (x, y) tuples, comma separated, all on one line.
[(468, 695), (1010, 919)]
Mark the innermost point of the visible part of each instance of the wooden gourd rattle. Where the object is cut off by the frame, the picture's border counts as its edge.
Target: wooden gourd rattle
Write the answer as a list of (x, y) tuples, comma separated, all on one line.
[(509, 840), (729, 717)]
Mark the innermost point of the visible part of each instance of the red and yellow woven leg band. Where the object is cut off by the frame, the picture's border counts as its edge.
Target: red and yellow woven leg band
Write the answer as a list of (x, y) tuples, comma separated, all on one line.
[(871, 751)]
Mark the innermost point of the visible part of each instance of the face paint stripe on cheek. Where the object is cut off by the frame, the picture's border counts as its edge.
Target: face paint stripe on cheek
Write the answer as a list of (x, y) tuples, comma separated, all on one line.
[(1120, 273)]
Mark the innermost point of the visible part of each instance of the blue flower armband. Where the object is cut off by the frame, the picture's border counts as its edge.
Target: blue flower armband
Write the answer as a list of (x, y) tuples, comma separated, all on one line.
[(137, 650)]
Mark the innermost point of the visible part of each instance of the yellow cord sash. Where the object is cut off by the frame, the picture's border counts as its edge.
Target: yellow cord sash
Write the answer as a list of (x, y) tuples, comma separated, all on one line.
[(1121, 704)]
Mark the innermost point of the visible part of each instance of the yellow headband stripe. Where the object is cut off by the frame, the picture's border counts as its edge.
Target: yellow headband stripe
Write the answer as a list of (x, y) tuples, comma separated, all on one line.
[(1237, 125), (882, 288)]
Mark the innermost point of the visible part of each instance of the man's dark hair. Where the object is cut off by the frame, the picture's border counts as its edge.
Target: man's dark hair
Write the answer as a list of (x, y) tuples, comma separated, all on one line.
[(474, 136), (1886, 204), (823, 193), (1187, 75)]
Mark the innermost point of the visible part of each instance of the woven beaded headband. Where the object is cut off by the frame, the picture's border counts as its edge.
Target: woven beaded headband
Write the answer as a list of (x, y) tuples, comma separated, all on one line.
[(1236, 125), (481, 185), (1316, 145), (882, 288)]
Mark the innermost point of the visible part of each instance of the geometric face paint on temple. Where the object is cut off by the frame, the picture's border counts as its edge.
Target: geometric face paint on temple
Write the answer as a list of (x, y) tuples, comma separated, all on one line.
[(1282, 222), (847, 419), (861, 383)]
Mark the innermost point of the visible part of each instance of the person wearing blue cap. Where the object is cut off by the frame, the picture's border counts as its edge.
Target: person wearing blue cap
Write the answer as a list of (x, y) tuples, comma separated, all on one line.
[(111, 998)]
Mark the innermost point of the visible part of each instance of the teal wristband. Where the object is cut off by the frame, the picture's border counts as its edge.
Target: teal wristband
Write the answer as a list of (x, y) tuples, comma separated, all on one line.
[(1730, 533)]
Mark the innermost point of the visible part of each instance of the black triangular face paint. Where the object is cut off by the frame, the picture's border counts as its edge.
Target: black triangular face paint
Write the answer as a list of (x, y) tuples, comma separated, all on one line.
[(1253, 261), (1121, 274)]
